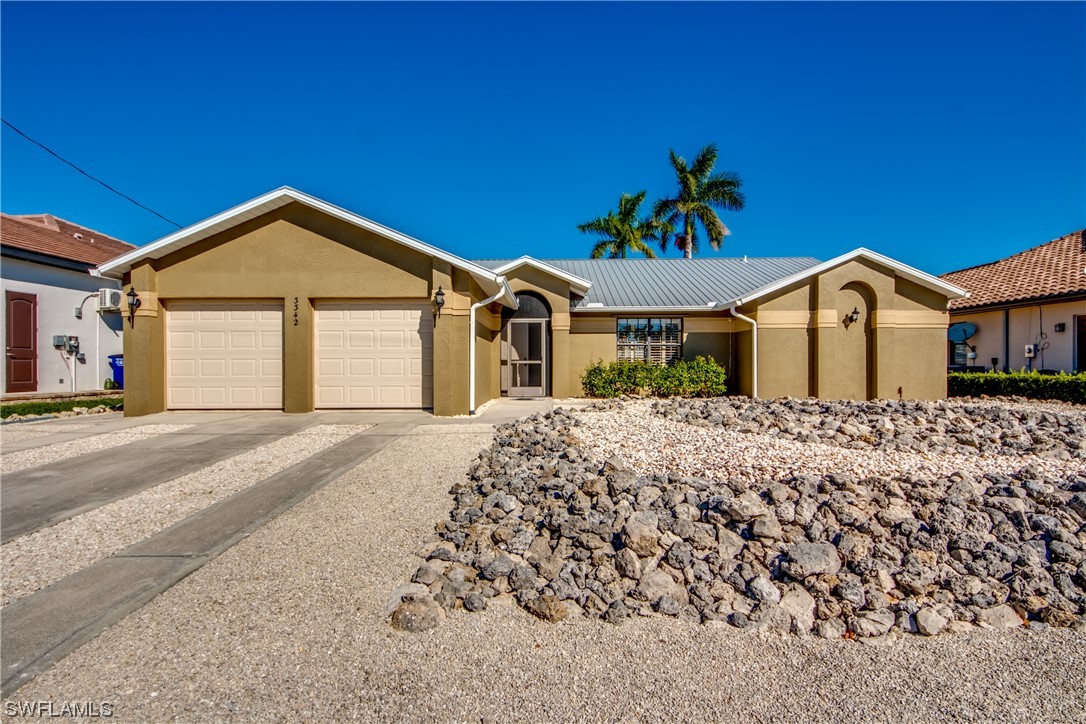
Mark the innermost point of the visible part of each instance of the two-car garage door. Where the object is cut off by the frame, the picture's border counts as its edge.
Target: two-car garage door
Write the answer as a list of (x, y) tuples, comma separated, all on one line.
[(230, 356)]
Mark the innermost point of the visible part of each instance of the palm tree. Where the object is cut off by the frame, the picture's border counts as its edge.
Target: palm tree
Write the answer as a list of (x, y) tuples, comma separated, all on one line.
[(623, 232), (701, 194)]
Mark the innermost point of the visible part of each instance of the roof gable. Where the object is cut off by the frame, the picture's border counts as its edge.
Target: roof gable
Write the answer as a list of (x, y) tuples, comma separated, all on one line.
[(904, 270), (1054, 269), (490, 281)]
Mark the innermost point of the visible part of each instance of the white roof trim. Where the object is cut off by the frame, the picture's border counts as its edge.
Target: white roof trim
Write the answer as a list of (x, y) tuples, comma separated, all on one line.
[(915, 275), (578, 285), (490, 281)]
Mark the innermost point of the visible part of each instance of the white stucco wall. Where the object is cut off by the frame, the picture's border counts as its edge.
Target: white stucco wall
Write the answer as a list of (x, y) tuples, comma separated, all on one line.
[(59, 292), (1025, 325)]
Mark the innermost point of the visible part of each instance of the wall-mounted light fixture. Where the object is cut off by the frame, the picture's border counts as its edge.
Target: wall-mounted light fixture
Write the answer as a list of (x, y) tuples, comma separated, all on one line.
[(439, 300), (1060, 326), (134, 303), (854, 315)]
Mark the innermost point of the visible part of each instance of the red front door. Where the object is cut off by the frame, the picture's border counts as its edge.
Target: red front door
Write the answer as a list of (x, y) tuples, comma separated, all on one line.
[(22, 342)]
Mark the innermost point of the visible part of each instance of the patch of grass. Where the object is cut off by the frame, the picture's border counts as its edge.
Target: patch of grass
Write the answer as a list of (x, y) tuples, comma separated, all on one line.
[(46, 407)]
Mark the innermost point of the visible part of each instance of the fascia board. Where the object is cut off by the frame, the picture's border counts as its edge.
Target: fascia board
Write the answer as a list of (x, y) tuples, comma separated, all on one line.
[(922, 278), (580, 285), (271, 201)]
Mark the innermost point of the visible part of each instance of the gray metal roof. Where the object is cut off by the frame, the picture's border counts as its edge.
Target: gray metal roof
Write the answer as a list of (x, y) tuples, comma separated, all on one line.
[(648, 283)]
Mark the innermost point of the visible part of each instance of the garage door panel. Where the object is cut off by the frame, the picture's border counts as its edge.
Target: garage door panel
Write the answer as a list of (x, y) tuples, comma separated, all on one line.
[(387, 358), (224, 356)]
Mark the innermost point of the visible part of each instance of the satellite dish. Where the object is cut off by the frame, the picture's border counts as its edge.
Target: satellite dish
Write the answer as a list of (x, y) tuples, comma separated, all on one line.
[(961, 331)]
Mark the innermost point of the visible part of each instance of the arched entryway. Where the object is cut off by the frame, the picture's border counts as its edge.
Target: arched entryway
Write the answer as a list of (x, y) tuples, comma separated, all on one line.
[(525, 348), (855, 354)]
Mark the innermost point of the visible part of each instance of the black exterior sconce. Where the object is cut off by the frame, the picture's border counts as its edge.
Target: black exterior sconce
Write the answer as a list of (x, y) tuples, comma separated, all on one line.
[(854, 315), (1060, 326), (439, 300), (134, 303)]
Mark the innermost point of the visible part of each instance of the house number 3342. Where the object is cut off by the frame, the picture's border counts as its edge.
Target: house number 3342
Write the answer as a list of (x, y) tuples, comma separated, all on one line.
[(295, 311)]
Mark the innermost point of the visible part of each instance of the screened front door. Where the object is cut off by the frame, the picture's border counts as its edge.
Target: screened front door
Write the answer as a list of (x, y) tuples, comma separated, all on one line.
[(526, 345)]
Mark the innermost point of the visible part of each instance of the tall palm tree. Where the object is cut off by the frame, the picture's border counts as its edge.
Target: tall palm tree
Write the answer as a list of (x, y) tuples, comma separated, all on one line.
[(700, 195), (624, 232)]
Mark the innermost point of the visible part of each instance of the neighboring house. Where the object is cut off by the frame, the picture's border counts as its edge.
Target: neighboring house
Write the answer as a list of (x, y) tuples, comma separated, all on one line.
[(49, 292), (1036, 299), (288, 302)]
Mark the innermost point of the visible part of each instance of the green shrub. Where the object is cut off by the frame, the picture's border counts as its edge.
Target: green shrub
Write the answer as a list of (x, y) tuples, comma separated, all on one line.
[(1062, 386), (46, 407), (701, 377)]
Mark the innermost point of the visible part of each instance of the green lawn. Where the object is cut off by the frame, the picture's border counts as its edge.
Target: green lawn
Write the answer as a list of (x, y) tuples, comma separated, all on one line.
[(46, 407)]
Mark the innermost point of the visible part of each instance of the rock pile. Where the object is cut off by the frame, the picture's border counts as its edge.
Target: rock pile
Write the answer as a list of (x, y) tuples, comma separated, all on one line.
[(831, 555), (946, 426)]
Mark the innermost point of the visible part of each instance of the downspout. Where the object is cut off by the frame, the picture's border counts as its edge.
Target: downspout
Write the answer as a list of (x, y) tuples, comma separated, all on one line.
[(734, 309), (1006, 340), (471, 348)]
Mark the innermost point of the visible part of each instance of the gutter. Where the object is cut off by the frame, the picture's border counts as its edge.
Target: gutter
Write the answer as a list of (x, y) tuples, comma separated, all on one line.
[(471, 344), (734, 309)]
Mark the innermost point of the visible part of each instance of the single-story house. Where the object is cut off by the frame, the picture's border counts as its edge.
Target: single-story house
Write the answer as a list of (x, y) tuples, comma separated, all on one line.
[(288, 302), (60, 322), (1027, 311)]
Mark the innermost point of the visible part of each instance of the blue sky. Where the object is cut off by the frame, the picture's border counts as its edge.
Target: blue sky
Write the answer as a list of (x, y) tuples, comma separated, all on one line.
[(942, 134)]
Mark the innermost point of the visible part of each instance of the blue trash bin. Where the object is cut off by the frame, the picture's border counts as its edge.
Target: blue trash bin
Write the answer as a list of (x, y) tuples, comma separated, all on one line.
[(116, 363)]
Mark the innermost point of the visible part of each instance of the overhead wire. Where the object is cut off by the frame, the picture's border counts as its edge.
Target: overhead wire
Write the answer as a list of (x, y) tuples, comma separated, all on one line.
[(91, 177)]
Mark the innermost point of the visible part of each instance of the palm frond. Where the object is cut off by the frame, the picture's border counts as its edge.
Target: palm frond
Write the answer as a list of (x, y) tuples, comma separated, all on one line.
[(704, 162)]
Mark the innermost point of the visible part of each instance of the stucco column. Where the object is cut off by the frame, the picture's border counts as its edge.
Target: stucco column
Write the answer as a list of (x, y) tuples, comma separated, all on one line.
[(560, 372), (298, 333), (144, 347), (451, 343)]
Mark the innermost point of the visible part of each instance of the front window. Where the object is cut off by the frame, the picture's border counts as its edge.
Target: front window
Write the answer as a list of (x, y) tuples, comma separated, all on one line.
[(650, 340)]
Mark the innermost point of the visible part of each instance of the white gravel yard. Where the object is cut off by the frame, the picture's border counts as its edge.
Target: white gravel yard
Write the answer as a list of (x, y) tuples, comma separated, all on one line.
[(650, 443), (22, 459), (291, 623), (30, 430), (36, 560)]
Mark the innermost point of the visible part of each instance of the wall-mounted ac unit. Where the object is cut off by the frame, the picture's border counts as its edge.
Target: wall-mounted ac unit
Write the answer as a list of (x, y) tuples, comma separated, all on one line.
[(109, 300)]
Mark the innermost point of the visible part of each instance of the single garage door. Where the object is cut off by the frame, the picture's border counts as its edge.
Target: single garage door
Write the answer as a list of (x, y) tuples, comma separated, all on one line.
[(224, 356), (374, 354)]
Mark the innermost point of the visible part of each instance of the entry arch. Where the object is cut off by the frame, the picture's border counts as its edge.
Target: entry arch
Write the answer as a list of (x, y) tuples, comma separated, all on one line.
[(526, 347)]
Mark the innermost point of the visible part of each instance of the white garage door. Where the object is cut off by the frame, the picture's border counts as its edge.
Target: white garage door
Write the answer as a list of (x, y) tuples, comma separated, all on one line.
[(224, 356), (374, 355)]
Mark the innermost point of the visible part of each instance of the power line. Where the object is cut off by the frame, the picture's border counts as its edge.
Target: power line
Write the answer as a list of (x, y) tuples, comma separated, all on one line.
[(92, 178)]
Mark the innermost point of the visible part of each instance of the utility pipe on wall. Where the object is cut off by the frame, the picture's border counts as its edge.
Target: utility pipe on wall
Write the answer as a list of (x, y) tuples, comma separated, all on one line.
[(734, 309), (471, 348)]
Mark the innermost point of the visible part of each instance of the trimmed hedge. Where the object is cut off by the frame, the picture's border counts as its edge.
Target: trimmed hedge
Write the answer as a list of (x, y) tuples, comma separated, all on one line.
[(700, 377), (1062, 386), (46, 407)]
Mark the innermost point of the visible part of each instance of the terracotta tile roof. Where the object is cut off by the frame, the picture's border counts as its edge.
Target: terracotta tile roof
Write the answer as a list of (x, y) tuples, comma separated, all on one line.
[(1054, 269), (53, 236)]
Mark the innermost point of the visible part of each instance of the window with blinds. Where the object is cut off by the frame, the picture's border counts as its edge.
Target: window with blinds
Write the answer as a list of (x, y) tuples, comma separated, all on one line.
[(650, 340)]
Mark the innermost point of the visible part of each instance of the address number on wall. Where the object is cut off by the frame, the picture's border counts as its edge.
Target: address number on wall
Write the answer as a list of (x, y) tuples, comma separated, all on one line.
[(295, 311)]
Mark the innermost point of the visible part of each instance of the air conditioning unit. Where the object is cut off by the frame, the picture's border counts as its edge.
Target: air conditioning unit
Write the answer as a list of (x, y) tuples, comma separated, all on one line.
[(109, 300)]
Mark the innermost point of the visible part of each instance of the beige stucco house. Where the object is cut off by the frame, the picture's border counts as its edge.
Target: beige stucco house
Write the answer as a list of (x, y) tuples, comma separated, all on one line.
[(1027, 311), (288, 302)]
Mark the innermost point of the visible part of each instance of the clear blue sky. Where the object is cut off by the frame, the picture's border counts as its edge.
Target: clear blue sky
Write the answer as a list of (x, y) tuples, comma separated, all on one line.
[(942, 134)]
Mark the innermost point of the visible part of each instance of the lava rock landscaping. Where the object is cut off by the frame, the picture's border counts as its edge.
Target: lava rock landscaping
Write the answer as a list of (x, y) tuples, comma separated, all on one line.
[(839, 555)]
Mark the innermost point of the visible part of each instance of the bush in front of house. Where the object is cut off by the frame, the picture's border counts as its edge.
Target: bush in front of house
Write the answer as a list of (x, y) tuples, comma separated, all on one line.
[(1062, 386), (700, 377), (48, 407)]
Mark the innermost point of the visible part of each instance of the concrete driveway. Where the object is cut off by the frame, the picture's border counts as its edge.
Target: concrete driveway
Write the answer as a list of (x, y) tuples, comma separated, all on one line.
[(101, 514)]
